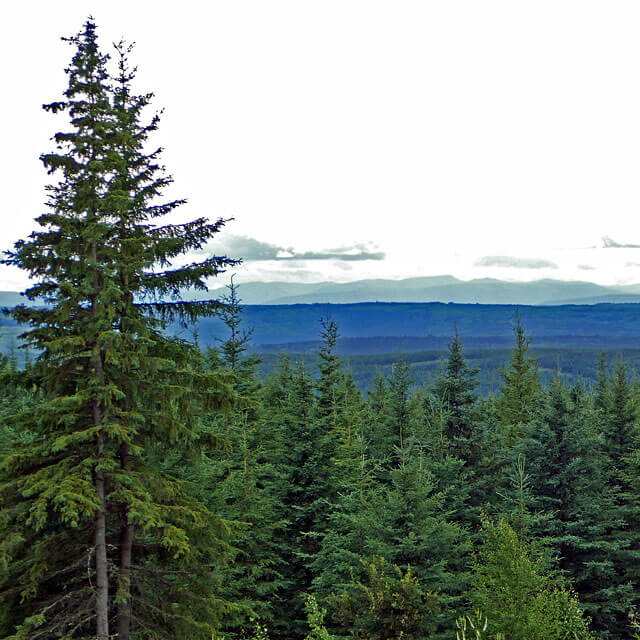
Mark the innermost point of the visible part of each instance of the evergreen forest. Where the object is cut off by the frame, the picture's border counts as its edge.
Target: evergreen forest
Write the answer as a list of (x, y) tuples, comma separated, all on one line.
[(151, 489)]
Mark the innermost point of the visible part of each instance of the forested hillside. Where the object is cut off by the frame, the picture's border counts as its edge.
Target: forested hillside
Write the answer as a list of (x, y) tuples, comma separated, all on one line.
[(278, 324), (422, 325), (574, 366), (154, 487), (404, 511), (566, 339)]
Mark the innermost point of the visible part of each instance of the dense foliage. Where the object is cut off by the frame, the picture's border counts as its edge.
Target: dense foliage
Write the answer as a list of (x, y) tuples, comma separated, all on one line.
[(90, 522)]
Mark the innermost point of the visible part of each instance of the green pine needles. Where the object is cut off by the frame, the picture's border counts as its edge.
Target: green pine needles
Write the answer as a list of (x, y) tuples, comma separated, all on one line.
[(99, 538)]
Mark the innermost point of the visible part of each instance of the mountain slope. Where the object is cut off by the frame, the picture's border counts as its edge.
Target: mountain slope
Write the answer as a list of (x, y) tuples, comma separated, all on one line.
[(432, 289)]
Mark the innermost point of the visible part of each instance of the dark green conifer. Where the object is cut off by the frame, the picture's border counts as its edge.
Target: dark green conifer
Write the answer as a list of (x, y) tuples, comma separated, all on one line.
[(233, 350), (602, 390), (378, 420), (355, 529), (240, 480), (327, 385), (296, 462), (113, 387), (573, 509), (455, 389), (622, 440), (520, 393), (400, 427), (329, 426), (621, 417), (419, 531), (457, 436), (351, 435)]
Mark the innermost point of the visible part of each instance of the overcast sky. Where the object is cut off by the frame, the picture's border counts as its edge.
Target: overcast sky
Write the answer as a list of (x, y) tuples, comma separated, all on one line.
[(353, 139)]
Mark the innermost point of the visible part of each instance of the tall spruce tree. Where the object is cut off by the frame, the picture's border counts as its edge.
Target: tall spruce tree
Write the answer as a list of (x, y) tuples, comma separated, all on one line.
[(327, 385), (419, 531), (354, 530), (602, 390), (399, 409), (455, 389), (622, 440), (573, 506), (621, 418), (329, 423), (454, 422), (378, 420), (297, 438), (520, 393), (116, 392), (351, 434), (240, 479)]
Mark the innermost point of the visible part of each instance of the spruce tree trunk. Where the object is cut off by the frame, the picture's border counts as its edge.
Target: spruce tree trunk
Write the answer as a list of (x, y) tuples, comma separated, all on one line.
[(102, 568), (126, 552), (124, 607), (102, 574)]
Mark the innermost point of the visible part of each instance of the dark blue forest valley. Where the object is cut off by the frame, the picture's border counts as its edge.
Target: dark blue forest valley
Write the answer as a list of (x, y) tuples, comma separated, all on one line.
[(565, 339)]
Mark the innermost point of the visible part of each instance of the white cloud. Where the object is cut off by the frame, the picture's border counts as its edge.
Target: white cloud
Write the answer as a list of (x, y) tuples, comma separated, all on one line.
[(512, 262)]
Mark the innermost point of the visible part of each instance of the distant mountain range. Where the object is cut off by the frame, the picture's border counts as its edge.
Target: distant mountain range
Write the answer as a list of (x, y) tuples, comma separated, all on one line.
[(431, 289), (571, 336), (436, 289)]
